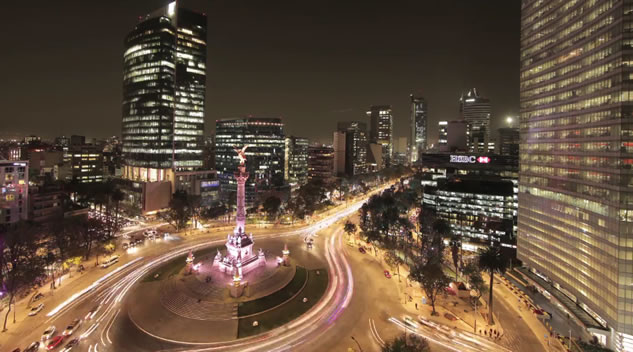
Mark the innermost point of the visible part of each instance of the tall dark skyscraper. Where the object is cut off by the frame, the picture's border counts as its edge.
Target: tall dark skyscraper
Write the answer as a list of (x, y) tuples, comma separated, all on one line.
[(350, 148), (164, 75), (381, 129), (418, 128), (475, 110), (575, 225), (265, 154)]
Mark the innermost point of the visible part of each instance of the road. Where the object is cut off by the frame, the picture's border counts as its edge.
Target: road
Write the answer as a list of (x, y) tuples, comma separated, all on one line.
[(107, 292)]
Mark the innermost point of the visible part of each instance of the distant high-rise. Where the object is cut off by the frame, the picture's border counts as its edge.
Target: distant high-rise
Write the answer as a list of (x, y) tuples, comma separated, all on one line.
[(475, 110), (575, 227), (508, 142), (296, 161), (442, 135), (15, 191), (350, 148), (320, 162), (265, 154), (381, 129), (164, 75), (418, 128)]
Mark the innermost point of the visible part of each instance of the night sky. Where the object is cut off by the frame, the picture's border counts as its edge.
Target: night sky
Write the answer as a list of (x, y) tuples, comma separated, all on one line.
[(311, 62)]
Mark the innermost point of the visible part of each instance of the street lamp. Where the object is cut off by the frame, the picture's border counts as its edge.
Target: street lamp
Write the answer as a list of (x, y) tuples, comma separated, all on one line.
[(360, 348)]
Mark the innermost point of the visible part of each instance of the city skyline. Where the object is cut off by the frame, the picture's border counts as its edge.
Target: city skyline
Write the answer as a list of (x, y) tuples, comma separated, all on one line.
[(86, 77)]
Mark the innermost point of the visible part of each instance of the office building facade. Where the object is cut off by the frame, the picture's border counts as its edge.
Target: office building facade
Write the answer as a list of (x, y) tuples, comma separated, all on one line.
[(164, 75), (350, 148), (476, 110), (320, 162), (508, 142), (576, 184), (14, 183), (381, 130), (418, 127), (296, 161), (265, 154)]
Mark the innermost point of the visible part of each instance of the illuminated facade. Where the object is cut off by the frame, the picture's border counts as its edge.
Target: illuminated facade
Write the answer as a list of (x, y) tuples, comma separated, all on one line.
[(266, 151), (86, 163), (442, 135), (576, 183), (14, 184), (164, 75), (475, 110), (381, 130), (320, 162), (350, 145), (418, 128), (481, 210), (296, 161)]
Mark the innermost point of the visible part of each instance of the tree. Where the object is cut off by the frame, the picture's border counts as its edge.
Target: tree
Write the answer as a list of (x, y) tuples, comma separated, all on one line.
[(492, 261), (392, 259), (456, 246), (475, 281), (90, 230), (20, 262), (61, 242), (349, 228), (178, 213), (406, 343), (117, 197), (271, 206), (431, 277)]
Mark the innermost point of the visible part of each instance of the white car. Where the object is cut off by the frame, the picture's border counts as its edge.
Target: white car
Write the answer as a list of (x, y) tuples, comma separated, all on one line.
[(70, 329), (48, 333), (410, 322), (36, 309)]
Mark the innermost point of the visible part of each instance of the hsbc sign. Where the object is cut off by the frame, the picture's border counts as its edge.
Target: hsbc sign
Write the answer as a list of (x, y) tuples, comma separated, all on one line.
[(469, 159)]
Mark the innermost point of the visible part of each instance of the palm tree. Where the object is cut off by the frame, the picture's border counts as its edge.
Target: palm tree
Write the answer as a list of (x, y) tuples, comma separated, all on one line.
[(491, 261)]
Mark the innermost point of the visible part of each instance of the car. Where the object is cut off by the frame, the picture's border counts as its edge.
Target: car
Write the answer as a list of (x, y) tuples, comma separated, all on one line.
[(17, 350), (48, 333), (410, 322), (55, 342), (36, 309), (69, 346), (38, 296), (362, 250), (34, 347), (387, 275), (91, 313), (126, 245), (111, 261), (70, 329)]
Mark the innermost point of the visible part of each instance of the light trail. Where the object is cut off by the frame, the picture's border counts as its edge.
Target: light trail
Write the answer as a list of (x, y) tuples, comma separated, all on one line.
[(89, 288)]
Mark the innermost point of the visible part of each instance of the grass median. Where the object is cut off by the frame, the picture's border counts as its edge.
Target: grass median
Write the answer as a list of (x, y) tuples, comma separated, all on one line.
[(175, 266), (292, 308)]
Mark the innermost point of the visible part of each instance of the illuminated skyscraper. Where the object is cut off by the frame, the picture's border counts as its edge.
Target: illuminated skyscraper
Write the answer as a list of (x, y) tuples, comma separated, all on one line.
[(266, 152), (475, 110), (296, 161), (576, 185), (164, 74), (418, 128), (381, 130), (350, 145)]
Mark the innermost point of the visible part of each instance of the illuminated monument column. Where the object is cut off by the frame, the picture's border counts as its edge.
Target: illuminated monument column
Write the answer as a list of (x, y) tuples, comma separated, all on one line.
[(241, 176)]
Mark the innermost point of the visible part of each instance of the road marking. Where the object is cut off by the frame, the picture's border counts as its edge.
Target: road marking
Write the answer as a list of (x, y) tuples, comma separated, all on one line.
[(374, 333)]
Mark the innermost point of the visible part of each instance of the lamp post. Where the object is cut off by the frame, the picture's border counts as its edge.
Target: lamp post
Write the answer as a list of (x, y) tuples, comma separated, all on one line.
[(360, 348)]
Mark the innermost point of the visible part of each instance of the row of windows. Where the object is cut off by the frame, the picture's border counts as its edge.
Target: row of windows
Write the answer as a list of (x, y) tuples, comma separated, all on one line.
[(613, 98)]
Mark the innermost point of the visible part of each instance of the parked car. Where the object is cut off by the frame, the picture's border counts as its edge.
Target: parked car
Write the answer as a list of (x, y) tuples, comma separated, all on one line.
[(450, 316), (362, 250), (410, 322), (48, 333), (70, 329), (55, 342), (34, 347), (36, 309), (38, 296), (387, 275)]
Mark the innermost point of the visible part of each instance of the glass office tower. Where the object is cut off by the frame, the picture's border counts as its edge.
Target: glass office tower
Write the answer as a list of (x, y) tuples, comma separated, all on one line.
[(475, 110), (164, 74), (576, 180), (265, 154), (418, 128), (381, 130)]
